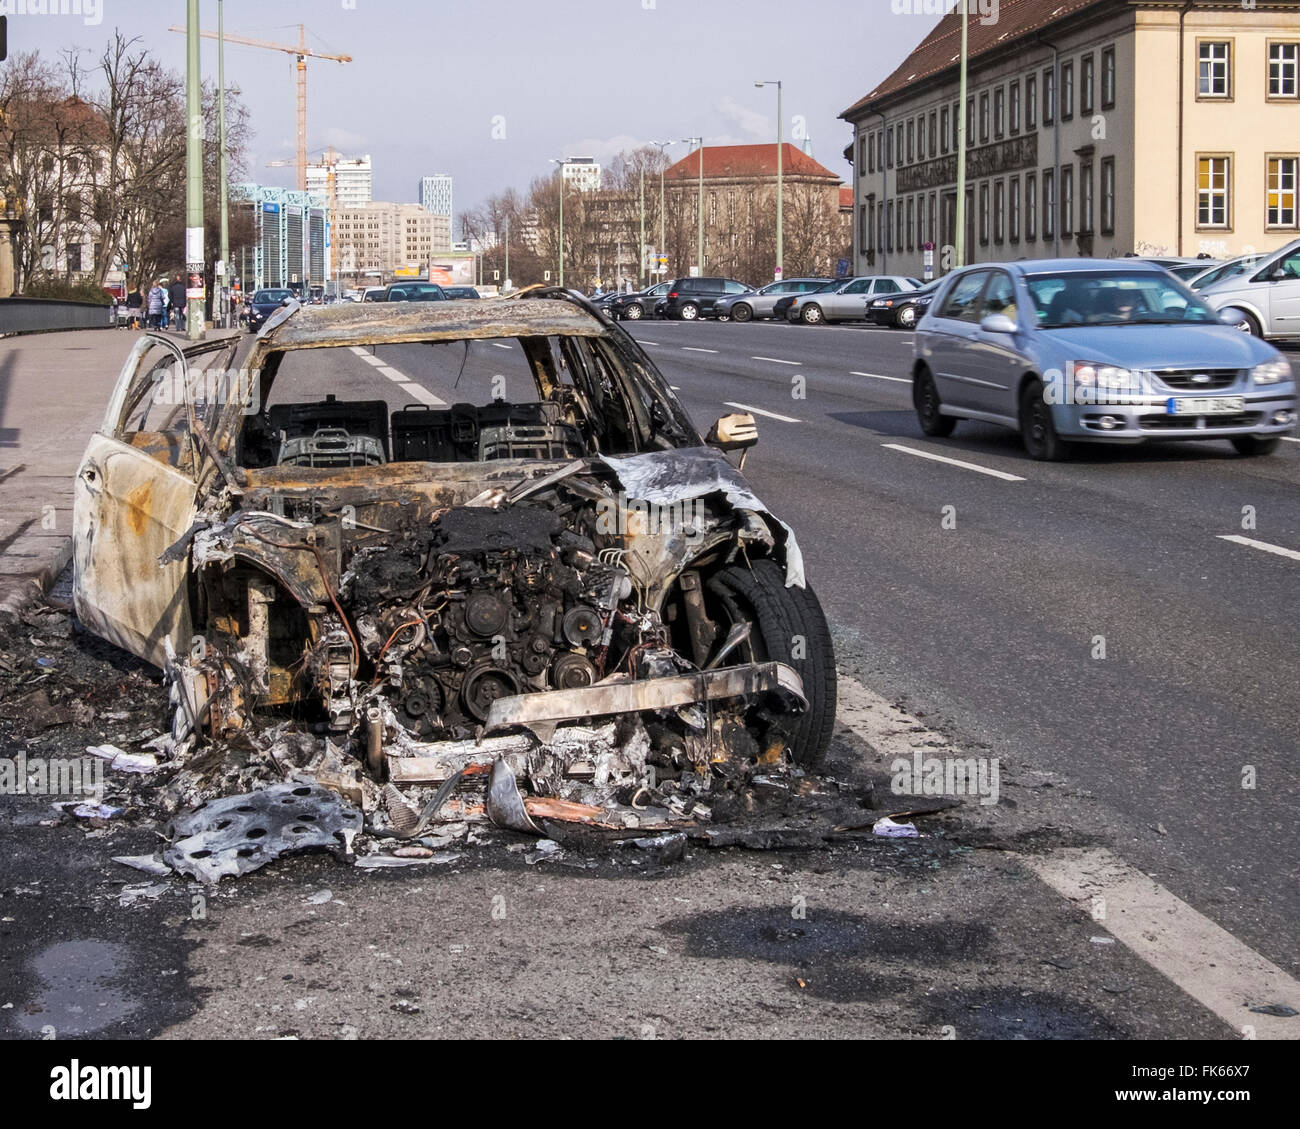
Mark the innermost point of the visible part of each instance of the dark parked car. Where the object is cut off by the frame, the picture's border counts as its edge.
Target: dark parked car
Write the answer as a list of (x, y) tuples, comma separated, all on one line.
[(264, 304), (689, 299), (634, 307), (413, 292), (902, 311), (454, 292)]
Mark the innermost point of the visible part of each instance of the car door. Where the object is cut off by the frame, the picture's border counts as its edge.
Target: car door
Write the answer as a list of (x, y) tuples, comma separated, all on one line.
[(995, 363), (134, 498), (764, 301), (848, 302), (1284, 296), (951, 338)]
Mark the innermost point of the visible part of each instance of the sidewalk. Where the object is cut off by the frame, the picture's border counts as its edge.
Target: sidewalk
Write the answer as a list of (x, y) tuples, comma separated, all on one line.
[(54, 389)]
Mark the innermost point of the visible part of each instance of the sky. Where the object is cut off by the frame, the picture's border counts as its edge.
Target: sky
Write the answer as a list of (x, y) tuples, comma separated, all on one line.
[(490, 90)]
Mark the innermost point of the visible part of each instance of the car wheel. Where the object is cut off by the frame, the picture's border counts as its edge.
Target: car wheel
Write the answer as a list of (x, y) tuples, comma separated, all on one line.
[(907, 317), (724, 317), (783, 618), (1253, 446), (742, 313), (634, 312), (925, 398), (690, 312), (1037, 428), (1249, 323), (812, 315)]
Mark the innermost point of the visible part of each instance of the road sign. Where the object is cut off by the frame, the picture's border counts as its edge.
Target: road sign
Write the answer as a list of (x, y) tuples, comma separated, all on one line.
[(842, 268), (929, 262)]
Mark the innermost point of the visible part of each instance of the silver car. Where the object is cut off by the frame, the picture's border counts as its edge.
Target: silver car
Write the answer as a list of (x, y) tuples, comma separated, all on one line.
[(1266, 301), (1088, 350), (848, 301), (761, 304)]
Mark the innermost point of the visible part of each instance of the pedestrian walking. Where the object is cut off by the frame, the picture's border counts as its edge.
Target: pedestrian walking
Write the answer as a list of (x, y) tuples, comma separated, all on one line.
[(157, 306), (176, 295), (134, 308)]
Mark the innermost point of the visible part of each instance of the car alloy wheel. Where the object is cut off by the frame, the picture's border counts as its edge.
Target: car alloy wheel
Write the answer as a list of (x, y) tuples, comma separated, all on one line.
[(925, 398), (812, 315), (634, 312), (907, 317), (690, 312), (742, 313)]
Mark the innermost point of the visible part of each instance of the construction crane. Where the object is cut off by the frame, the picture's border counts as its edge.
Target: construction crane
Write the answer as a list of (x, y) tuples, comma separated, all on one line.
[(302, 52)]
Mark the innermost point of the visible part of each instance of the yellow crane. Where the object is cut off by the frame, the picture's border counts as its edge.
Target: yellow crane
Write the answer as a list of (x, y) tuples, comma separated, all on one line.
[(302, 52)]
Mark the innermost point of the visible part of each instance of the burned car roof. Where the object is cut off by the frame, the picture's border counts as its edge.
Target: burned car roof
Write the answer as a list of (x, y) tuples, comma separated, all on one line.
[(401, 323)]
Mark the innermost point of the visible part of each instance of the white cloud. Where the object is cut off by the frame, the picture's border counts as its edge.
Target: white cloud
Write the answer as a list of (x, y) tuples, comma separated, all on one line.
[(753, 126)]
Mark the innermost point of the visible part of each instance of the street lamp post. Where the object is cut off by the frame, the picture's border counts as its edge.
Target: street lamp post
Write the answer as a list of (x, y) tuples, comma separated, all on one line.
[(194, 255), (780, 179), (699, 245), (560, 162), (640, 276), (663, 199), (222, 298), (959, 242)]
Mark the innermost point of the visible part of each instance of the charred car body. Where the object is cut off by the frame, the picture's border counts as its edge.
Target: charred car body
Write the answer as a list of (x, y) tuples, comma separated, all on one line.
[(556, 578)]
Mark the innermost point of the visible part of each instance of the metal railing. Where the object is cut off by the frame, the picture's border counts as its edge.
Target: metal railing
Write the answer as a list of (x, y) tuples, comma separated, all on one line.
[(45, 315)]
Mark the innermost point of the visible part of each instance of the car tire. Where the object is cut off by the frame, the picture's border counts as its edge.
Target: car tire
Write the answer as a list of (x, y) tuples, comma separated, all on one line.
[(724, 317), (1254, 446), (906, 318), (689, 312), (758, 595), (742, 313), (1249, 323), (925, 398), (634, 312), (812, 315), (1037, 428)]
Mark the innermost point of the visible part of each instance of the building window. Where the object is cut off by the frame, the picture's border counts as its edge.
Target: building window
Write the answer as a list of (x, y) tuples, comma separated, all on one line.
[(74, 256), (880, 148), (999, 211), (1013, 209), (984, 118), (1108, 79), (889, 147), (1049, 97), (1283, 59), (943, 130), (1067, 200), (984, 213), (970, 122), (1067, 91), (931, 238), (1215, 70), (1014, 100), (920, 138), (900, 226), (1031, 207), (911, 224), (882, 225), (1031, 102), (898, 141), (1282, 191), (1087, 85), (1049, 204), (1212, 191), (999, 113), (867, 154), (934, 134), (956, 127), (865, 229), (1085, 197), (911, 142), (1108, 196)]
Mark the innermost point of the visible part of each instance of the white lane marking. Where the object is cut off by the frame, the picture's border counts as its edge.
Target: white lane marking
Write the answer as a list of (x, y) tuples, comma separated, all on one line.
[(393, 374), (371, 359), (674, 388), (423, 395), (1290, 439), (655, 343), (877, 376), (776, 361), (1262, 546), (1200, 957), (691, 349), (953, 462), (760, 412), (360, 352), (498, 345)]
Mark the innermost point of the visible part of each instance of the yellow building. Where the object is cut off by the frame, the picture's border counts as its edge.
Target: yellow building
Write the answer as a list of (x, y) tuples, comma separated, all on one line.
[(1094, 127)]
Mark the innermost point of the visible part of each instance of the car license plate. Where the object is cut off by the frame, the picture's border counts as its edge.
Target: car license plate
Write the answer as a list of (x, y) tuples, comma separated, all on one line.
[(1207, 406)]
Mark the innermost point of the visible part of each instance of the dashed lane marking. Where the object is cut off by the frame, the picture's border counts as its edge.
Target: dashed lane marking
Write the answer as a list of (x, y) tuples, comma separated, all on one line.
[(877, 376), (776, 361), (760, 412), (423, 395), (1262, 546), (954, 462), (692, 349)]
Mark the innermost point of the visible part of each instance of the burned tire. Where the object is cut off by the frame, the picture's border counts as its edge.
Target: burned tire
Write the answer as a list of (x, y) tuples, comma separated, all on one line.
[(780, 616)]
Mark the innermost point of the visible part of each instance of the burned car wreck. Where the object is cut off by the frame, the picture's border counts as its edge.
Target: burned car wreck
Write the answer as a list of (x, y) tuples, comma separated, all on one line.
[(559, 602)]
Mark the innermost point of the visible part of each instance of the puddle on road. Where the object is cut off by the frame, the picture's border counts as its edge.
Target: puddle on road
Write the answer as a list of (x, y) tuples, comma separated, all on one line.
[(1011, 1013), (82, 989)]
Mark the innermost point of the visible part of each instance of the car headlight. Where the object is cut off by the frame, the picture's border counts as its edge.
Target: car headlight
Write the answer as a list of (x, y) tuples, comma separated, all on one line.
[(1090, 375), (1272, 372)]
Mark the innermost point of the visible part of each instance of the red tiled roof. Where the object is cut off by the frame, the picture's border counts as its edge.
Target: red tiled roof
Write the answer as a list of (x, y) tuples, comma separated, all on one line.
[(747, 161), (846, 198), (941, 49)]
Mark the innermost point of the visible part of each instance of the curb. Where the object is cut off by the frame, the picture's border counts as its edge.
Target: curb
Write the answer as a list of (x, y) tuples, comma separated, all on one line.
[(29, 590)]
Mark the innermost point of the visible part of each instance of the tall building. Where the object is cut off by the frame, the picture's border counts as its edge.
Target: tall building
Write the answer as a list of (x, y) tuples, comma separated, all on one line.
[(582, 173), (386, 238), (354, 180), (289, 249), (436, 194), (1093, 128)]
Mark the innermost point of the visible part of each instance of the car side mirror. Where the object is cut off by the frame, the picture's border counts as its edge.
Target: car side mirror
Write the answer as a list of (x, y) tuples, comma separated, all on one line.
[(999, 323), (1278, 275), (736, 432)]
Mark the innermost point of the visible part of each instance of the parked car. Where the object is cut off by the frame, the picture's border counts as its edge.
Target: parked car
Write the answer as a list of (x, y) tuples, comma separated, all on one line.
[(761, 303), (1094, 351), (845, 300), (902, 311), (1266, 301), (461, 292), (689, 299), (413, 292), (264, 304), (386, 603), (374, 294), (1217, 272), (639, 305)]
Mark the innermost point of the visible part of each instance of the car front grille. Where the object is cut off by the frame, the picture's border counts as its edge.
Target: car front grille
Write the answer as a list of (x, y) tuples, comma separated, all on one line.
[(1190, 423), (1198, 380)]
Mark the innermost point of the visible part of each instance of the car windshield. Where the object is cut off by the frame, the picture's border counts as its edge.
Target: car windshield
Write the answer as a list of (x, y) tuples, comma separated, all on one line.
[(271, 297), (1114, 298), (1228, 270)]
